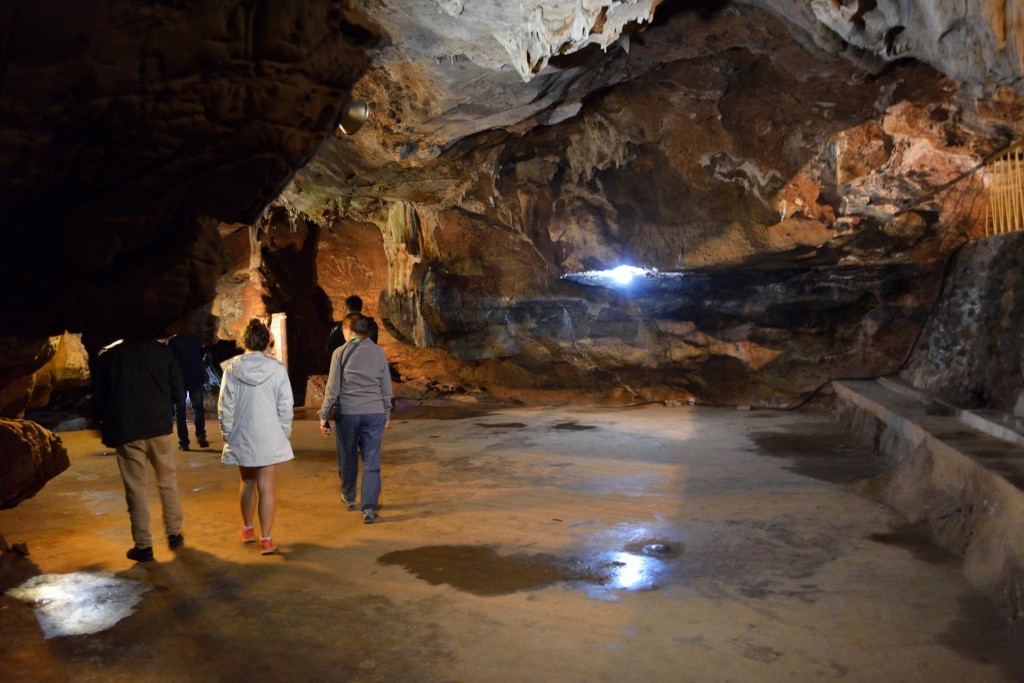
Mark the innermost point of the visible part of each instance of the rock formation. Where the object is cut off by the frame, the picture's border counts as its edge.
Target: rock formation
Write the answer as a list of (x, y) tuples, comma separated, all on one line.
[(132, 130), (970, 351), (792, 175), (798, 198), (30, 456)]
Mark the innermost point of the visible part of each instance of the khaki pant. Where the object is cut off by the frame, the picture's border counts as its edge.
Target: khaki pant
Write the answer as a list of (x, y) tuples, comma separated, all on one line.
[(131, 460)]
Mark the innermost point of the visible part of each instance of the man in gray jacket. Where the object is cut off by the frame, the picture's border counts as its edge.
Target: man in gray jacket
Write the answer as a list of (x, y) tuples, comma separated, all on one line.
[(359, 390)]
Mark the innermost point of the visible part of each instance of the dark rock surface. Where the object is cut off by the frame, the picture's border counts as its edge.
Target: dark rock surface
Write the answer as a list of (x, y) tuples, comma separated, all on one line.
[(130, 130), (971, 351)]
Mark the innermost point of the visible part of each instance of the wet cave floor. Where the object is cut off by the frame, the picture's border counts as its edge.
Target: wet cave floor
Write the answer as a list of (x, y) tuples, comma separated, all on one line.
[(541, 544)]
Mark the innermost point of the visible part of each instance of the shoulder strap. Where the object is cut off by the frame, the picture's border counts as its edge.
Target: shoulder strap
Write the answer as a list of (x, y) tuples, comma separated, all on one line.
[(347, 350)]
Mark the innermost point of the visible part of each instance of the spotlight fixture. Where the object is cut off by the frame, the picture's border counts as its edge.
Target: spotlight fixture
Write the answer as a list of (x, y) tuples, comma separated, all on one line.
[(353, 115)]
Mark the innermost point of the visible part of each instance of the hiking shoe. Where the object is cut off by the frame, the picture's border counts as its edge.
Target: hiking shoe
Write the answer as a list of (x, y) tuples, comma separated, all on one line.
[(175, 541), (203, 443), (267, 546), (141, 554), (349, 504), (369, 516), (248, 534), (182, 446)]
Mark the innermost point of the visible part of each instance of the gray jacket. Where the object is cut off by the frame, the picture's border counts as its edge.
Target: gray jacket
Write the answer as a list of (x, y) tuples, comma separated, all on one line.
[(363, 387), (256, 414)]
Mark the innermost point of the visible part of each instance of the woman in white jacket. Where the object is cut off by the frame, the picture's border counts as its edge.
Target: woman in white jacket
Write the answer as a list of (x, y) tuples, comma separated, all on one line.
[(255, 409)]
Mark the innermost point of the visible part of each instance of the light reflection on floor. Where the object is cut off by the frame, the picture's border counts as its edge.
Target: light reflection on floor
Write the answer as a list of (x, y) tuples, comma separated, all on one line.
[(80, 602)]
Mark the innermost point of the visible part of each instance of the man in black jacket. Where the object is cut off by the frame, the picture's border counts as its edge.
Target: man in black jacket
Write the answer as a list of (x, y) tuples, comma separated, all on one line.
[(136, 383), (353, 304), (188, 351)]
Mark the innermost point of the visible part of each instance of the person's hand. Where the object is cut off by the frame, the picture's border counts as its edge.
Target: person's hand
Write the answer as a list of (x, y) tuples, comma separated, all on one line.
[(387, 423), (325, 427)]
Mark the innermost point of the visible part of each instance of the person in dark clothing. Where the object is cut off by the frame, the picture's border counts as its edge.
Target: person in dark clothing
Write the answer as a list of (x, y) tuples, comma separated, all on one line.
[(134, 386), (188, 350), (353, 304)]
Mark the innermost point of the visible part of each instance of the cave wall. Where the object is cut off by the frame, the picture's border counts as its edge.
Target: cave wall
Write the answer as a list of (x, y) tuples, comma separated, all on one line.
[(306, 271), (821, 152), (812, 206), (808, 182), (971, 351)]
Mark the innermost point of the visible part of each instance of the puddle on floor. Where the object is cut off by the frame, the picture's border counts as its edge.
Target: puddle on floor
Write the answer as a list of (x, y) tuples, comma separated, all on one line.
[(825, 455), (79, 603), (480, 570), (500, 425), (572, 426)]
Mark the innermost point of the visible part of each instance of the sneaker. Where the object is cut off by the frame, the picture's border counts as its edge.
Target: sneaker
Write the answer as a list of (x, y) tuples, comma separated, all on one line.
[(203, 443), (248, 534), (141, 554), (175, 541), (349, 504), (182, 446), (369, 516), (267, 546)]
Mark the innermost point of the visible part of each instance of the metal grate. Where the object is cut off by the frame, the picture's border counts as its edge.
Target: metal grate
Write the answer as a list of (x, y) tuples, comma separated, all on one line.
[(1004, 178)]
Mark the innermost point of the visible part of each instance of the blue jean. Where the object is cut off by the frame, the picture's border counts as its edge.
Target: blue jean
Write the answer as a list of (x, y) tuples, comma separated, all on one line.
[(360, 434)]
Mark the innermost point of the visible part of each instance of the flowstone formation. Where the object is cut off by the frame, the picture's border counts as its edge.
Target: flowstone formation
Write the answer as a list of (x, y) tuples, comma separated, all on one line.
[(793, 189)]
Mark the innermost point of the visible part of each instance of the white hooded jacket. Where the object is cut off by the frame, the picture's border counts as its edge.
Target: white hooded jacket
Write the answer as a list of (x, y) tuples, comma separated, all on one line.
[(255, 409)]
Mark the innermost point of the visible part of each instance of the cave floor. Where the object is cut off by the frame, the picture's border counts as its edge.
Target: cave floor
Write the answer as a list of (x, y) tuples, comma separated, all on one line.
[(557, 544)]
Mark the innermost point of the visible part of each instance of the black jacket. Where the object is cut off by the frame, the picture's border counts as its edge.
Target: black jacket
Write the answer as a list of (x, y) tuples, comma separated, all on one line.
[(135, 384), (188, 351), (336, 338)]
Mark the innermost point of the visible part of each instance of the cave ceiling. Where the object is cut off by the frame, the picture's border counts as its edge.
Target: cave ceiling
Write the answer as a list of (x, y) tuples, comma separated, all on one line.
[(455, 80)]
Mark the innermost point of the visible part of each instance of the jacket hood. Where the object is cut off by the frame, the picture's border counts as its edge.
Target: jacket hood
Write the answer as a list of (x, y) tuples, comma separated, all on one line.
[(253, 368)]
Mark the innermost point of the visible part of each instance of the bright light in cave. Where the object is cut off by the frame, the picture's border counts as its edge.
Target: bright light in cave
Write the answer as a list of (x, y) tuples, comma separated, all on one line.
[(620, 276), (623, 275)]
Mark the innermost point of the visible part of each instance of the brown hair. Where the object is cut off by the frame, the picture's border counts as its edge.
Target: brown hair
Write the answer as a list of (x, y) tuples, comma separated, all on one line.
[(358, 323), (351, 320), (255, 337)]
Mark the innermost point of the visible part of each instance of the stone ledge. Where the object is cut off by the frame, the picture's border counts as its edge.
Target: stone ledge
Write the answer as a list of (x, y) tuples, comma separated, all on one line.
[(994, 423), (963, 484)]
